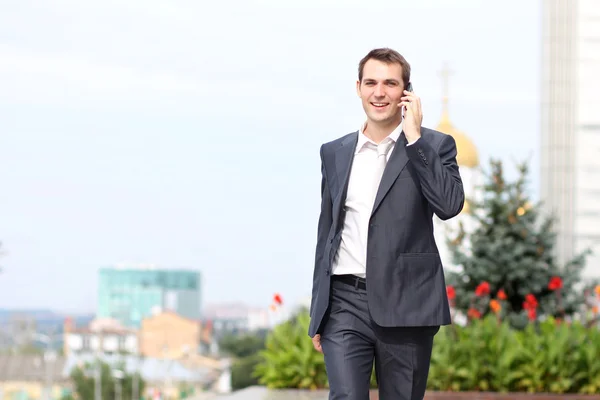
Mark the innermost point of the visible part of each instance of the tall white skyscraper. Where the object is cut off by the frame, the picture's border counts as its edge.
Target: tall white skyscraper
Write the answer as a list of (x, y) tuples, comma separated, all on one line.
[(570, 153)]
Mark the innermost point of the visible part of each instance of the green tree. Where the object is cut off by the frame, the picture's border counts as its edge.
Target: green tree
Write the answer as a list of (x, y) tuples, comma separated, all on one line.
[(244, 349), (242, 372), (290, 360), (186, 390), (84, 382), (243, 345), (511, 248)]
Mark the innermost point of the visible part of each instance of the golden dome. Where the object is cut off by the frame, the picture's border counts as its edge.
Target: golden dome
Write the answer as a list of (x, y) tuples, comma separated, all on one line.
[(467, 152), (466, 208)]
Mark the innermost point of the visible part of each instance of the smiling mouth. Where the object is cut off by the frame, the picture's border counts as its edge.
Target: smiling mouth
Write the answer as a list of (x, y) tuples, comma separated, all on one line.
[(380, 105)]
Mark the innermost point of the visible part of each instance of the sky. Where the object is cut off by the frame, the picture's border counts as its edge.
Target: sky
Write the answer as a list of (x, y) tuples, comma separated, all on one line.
[(187, 135)]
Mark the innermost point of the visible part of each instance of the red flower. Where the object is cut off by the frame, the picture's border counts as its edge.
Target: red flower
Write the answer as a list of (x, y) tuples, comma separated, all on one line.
[(474, 313), (531, 313), (495, 306), (277, 299), (482, 289), (555, 283), (530, 298), (530, 302), (450, 292), (501, 294)]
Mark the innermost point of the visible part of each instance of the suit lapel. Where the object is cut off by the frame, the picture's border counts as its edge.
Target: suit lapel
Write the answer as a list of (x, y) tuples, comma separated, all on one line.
[(343, 161), (395, 165)]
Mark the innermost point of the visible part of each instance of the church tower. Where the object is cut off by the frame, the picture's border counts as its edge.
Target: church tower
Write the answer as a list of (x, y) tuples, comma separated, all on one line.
[(468, 162)]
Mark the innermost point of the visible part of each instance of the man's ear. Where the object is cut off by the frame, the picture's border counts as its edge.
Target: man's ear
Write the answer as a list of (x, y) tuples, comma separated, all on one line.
[(358, 88)]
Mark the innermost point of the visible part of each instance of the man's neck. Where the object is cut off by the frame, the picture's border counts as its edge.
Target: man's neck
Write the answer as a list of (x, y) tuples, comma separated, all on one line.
[(378, 132)]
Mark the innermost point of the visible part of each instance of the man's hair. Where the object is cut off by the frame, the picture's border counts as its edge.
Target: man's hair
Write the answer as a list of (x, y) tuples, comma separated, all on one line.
[(387, 56)]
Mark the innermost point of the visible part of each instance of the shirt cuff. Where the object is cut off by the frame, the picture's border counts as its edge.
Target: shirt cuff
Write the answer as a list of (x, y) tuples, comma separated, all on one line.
[(413, 142)]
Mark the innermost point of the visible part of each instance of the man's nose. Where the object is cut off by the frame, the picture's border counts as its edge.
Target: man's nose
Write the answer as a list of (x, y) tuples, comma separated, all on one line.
[(379, 91)]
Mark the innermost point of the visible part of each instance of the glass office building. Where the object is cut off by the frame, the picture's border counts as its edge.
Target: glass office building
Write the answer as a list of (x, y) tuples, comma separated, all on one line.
[(131, 294)]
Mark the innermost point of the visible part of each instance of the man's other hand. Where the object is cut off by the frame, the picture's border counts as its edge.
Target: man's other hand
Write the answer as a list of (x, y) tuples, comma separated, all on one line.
[(317, 343)]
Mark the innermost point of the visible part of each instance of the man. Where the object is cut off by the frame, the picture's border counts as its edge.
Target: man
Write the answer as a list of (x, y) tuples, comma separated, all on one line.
[(379, 294)]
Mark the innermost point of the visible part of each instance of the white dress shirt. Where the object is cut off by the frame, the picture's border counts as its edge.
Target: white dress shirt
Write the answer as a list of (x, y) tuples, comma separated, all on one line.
[(351, 257)]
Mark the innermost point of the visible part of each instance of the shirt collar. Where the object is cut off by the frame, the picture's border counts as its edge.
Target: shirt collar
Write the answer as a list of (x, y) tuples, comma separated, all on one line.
[(363, 139)]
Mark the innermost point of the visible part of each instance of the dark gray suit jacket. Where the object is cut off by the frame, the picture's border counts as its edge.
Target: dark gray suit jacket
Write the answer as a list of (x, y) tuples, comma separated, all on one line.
[(405, 277)]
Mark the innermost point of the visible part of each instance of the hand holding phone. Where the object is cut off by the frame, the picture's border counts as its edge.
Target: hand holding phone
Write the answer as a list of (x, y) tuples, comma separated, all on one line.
[(412, 114)]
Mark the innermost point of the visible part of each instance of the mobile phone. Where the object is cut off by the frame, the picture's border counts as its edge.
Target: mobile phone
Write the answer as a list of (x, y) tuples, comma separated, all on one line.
[(410, 89)]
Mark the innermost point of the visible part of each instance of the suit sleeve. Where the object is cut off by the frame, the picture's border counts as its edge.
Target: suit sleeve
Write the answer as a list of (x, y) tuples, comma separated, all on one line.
[(438, 175), (323, 228)]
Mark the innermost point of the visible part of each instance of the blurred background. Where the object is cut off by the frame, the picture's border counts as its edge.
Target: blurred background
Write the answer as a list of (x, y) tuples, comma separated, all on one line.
[(160, 171)]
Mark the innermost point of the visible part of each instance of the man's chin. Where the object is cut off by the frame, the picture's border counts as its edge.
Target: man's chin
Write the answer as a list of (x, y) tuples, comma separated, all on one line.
[(381, 119)]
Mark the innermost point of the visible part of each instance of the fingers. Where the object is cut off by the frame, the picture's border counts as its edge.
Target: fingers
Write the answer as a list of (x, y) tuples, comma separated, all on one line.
[(408, 107), (411, 98), (317, 343), (413, 116), (411, 102), (409, 95)]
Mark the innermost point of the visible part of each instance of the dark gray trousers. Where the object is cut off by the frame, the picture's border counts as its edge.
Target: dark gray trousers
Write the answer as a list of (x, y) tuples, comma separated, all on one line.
[(351, 342)]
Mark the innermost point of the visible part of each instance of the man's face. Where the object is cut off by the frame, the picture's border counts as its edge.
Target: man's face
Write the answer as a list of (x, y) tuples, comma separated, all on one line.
[(380, 91)]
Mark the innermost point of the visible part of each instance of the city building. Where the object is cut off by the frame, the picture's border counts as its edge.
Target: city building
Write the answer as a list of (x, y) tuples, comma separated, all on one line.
[(235, 318), (129, 294), (160, 375), (171, 336), (101, 336), (570, 126)]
